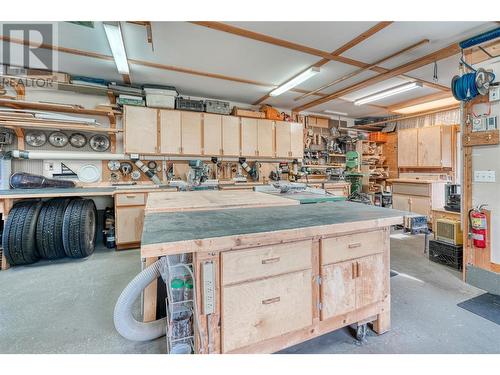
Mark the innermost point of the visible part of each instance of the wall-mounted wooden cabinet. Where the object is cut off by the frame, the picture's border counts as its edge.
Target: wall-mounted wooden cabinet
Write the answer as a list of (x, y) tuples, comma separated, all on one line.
[(429, 147), (153, 131), (249, 137), (170, 132), (265, 138), (231, 135), (141, 130), (212, 134), (289, 140)]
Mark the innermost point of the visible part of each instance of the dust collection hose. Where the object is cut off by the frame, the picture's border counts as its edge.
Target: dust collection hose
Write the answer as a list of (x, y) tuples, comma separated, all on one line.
[(125, 323)]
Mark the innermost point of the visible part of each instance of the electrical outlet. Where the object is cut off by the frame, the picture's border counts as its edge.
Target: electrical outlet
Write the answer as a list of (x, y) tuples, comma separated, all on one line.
[(208, 288), (484, 176)]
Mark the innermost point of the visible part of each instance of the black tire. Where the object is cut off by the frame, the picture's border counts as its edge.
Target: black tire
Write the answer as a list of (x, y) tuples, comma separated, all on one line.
[(18, 240), (79, 228), (49, 238)]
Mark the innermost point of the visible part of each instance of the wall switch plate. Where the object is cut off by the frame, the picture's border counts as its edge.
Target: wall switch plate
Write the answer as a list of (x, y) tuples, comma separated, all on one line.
[(484, 176), (208, 274), (494, 93)]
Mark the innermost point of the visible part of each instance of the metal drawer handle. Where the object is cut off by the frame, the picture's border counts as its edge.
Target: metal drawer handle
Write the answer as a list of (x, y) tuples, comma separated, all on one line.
[(271, 260), (270, 300), (130, 196), (353, 245)]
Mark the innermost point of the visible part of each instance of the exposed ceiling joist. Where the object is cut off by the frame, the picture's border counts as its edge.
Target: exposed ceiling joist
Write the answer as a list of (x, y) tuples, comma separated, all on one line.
[(402, 69), (419, 100), (420, 114), (150, 64), (360, 70), (220, 26), (350, 44)]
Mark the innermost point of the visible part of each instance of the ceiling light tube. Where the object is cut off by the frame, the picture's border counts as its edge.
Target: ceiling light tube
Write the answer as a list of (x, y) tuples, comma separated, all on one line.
[(115, 40), (335, 112), (389, 92), (297, 80)]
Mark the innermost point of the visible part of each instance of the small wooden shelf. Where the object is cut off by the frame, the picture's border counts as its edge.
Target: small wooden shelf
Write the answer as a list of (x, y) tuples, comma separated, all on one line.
[(37, 106), (337, 155), (56, 125)]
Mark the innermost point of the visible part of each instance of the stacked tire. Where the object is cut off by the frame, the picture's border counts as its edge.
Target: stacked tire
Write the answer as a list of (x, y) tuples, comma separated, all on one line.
[(52, 229)]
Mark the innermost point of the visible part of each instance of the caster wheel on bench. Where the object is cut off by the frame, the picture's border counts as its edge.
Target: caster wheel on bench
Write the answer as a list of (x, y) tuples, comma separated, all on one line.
[(361, 330)]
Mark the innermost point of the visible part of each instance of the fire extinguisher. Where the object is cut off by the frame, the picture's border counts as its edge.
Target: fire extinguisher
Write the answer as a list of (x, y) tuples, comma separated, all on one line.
[(478, 226)]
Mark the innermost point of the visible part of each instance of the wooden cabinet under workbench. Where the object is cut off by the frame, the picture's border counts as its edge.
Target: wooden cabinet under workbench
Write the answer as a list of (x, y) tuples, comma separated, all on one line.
[(276, 284)]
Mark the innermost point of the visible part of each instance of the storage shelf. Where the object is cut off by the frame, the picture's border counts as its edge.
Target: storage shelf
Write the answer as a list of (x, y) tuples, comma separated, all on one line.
[(57, 126), (19, 104)]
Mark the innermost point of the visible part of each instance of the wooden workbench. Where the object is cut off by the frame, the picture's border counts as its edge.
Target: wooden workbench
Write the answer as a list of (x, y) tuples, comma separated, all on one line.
[(284, 274)]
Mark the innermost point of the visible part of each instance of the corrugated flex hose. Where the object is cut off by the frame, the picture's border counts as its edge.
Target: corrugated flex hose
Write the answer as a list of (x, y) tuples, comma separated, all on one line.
[(125, 323)]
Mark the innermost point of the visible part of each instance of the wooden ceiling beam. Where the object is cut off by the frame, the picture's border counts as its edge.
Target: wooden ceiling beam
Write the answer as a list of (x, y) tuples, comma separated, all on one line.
[(402, 69), (360, 70), (350, 44), (419, 100), (150, 64), (220, 26)]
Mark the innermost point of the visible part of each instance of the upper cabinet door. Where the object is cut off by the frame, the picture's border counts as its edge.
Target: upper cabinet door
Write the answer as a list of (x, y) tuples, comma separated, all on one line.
[(249, 137), (283, 139), (141, 130), (296, 140), (408, 148), (230, 135), (265, 138), (191, 133), (212, 134), (429, 146), (170, 132)]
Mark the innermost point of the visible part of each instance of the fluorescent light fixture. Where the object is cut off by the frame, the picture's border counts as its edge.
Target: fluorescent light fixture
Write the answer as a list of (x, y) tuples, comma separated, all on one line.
[(389, 92), (297, 80), (440, 103), (335, 112), (115, 40)]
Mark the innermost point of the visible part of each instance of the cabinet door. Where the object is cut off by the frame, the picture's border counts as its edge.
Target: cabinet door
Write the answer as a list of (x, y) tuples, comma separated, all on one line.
[(212, 134), (296, 140), (230, 135), (141, 130), (170, 132), (370, 280), (283, 140), (338, 289), (420, 205), (408, 148), (429, 147), (129, 222), (191, 133), (248, 136), (401, 202), (265, 138)]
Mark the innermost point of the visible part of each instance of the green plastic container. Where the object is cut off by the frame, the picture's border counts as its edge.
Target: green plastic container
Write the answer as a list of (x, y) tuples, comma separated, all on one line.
[(177, 287)]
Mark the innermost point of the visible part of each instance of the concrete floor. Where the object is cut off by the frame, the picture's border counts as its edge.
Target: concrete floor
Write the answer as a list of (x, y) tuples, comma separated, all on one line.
[(66, 306)]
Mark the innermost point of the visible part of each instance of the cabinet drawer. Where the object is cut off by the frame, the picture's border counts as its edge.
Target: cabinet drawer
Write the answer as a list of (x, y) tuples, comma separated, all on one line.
[(411, 189), (338, 249), (264, 309), (251, 264), (132, 199)]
